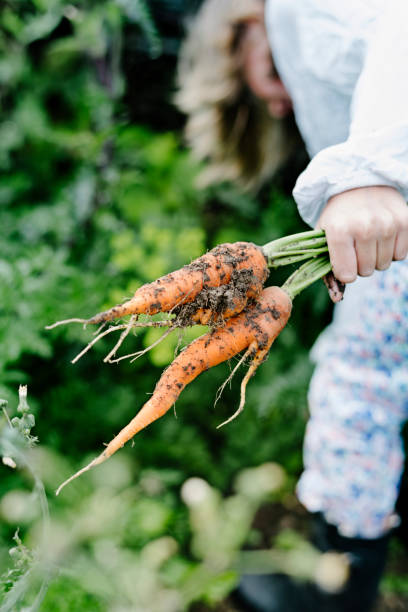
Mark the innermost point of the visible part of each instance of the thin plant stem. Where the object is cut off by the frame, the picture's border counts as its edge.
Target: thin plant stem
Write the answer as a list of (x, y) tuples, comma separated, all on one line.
[(304, 251), (287, 261), (17, 592), (307, 274), (295, 248), (316, 237), (7, 417), (305, 245), (292, 259)]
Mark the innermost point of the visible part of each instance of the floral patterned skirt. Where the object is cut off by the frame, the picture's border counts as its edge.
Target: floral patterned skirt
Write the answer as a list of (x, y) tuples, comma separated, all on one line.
[(358, 398)]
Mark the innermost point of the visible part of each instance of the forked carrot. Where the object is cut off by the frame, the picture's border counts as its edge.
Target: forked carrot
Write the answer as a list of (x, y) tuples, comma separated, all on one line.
[(218, 267), (253, 329), (217, 285)]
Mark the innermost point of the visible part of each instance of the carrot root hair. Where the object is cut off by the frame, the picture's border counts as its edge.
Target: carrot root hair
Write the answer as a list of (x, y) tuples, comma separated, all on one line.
[(250, 350), (133, 323), (65, 321), (258, 359), (134, 356), (100, 459), (122, 336)]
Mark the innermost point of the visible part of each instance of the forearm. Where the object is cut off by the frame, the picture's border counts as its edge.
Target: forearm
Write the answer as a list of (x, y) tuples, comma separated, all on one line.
[(357, 190)]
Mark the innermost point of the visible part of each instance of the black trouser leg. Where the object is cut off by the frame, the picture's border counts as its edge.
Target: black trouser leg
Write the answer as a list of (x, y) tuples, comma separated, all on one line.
[(367, 560), (279, 593)]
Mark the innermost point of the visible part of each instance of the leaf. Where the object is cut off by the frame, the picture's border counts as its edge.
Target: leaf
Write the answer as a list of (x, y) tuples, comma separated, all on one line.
[(91, 33), (30, 116), (40, 27), (12, 67)]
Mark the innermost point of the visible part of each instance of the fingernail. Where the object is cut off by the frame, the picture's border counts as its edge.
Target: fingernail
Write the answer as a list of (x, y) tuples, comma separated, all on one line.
[(346, 278), (384, 267), (365, 272)]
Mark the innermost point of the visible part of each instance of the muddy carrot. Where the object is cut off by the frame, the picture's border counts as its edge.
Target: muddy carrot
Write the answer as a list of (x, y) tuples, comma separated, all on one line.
[(241, 262), (252, 330)]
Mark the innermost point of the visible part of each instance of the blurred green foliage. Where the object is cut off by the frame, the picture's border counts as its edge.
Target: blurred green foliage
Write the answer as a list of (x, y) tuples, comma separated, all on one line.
[(108, 548), (91, 207)]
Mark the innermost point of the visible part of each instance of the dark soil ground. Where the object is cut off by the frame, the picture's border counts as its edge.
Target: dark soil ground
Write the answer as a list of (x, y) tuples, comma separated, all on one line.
[(273, 518)]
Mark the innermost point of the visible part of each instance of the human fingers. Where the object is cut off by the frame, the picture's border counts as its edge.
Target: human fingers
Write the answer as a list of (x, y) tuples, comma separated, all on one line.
[(375, 240), (401, 241), (342, 252), (396, 207), (366, 253), (385, 253), (401, 246), (386, 241)]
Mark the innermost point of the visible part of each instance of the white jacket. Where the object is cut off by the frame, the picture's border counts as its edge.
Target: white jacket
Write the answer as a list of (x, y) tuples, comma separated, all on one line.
[(345, 66)]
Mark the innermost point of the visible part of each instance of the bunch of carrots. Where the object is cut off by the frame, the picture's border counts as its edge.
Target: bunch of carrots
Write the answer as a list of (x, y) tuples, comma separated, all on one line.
[(225, 290)]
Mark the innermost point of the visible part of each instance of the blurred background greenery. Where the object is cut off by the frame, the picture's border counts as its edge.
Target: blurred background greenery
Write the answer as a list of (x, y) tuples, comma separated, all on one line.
[(97, 197)]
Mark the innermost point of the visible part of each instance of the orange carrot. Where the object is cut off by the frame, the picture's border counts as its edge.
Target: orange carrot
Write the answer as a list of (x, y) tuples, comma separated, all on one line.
[(242, 263), (254, 329), (232, 306)]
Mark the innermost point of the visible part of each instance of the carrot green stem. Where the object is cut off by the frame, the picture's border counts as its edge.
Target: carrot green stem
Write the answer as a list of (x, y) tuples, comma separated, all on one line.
[(302, 245), (293, 249), (307, 274), (306, 251), (287, 260), (305, 241), (284, 259)]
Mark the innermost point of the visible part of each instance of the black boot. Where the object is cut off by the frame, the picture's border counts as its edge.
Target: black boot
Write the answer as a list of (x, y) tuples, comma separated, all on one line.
[(367, 560), (280, 593), (274, 593)]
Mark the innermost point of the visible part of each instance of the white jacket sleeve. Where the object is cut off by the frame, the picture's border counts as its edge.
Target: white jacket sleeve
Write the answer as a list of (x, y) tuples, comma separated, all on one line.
[(376, 150)]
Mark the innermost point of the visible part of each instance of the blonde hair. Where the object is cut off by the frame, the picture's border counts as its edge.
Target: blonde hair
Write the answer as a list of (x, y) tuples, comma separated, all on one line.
[(226, 125)]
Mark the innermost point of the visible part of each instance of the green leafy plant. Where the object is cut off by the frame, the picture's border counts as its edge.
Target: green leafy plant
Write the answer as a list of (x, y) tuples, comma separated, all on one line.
[(91, 207)]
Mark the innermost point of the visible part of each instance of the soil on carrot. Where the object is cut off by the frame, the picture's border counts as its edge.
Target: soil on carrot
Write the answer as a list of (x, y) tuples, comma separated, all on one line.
[(273, 518), (216, 268), (214, 304)]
